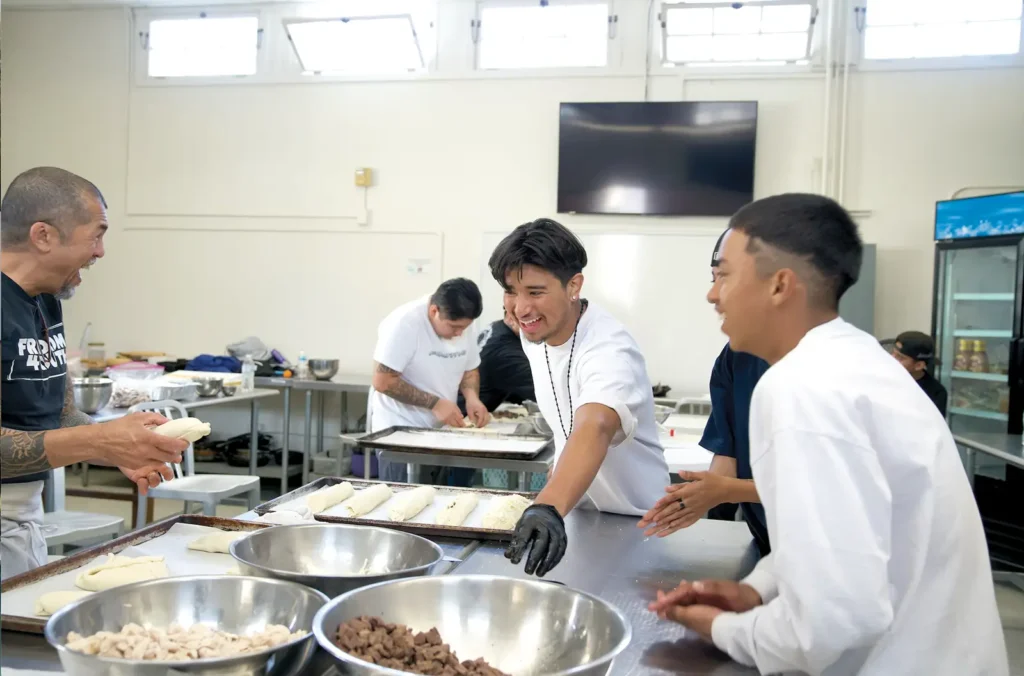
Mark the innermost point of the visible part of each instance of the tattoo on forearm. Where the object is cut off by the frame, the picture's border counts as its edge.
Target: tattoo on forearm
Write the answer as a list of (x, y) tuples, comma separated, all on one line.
[(470, 381), (70, 416), (22, 453), (402, 391)]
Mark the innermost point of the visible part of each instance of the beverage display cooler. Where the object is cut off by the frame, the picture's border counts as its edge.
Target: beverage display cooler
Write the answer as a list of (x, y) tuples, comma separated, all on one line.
[(977, 317)]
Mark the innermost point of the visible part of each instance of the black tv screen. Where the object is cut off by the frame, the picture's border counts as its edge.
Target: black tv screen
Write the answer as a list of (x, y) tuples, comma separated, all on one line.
[(677, 158)]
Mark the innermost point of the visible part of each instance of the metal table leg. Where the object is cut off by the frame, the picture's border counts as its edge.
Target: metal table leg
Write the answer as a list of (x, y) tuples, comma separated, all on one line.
[(410, 473), (254, 428), (523, 485), (307, 437), (320, 423), (286, 433), (969, 454), (367, 453), (344, 428)]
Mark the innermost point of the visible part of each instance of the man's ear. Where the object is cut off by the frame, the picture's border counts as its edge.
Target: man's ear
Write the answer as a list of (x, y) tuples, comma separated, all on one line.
[(783, 285), (43, 236), (575, 286)]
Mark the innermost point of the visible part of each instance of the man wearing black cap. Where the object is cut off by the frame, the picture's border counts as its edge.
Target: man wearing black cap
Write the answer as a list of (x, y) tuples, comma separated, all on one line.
[(729, 480), (915, 351)]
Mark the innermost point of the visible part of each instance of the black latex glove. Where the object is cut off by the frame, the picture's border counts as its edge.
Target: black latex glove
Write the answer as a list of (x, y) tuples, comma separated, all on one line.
[(542, 527)]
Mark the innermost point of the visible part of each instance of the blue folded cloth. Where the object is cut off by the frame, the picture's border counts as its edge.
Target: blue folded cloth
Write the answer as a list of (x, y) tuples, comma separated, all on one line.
[(211, 363)]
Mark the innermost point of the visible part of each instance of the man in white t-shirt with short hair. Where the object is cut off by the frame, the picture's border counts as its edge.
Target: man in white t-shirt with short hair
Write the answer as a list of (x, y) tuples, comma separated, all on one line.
[(426, 354), (592, 388)]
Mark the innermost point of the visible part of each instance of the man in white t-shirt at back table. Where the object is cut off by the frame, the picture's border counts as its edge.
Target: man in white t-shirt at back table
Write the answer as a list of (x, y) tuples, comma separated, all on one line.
[(592, 388), (426, 354)]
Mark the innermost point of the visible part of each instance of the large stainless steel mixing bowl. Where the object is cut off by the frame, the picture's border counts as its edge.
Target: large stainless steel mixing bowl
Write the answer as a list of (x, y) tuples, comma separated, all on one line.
[(92, 394), (335, 558), (523, 627), (240, 605), (323, 369)]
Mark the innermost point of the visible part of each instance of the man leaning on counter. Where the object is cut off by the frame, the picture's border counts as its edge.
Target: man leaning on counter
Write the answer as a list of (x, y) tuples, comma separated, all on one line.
[(592, 388)]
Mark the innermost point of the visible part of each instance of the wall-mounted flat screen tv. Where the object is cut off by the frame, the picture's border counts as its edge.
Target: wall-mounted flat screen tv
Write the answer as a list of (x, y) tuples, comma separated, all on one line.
[(676, 158)]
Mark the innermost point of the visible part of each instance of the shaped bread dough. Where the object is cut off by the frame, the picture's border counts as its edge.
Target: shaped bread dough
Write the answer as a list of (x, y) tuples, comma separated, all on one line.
[(189, 429), (456, 511), (119, 570), (326, 498), (504, 512), (51, 602), (216, 543), (366, 500), (410, 503)]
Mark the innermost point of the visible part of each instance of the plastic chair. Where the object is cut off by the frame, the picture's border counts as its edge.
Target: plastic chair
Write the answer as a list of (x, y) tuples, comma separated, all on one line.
[(62, 527), (187, 486)]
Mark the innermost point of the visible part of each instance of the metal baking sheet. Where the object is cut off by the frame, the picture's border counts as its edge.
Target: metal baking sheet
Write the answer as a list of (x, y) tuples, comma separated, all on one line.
[(452, 442), (421, 524), (166, 538)]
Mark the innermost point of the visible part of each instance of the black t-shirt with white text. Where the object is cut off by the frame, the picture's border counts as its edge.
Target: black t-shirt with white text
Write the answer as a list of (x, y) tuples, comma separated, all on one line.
[(33, 361), (935, 391)]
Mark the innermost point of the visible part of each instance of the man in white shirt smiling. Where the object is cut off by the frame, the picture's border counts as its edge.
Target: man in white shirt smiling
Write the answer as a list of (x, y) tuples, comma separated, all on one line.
[(592, 388), (426, 354), (878, 564)]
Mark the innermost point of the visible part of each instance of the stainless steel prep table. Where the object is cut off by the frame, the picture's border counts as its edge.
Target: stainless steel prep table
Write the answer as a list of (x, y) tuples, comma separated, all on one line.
[(607, 556), (1006, 447), (253, 398)]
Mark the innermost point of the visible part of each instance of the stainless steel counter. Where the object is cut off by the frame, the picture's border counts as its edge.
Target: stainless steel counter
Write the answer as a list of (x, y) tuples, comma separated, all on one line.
[(1006, 447), (608, 556)]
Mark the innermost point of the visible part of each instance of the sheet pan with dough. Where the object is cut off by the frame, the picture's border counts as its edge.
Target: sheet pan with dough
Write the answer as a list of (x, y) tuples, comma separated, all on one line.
[(172, 545), (427, 517)]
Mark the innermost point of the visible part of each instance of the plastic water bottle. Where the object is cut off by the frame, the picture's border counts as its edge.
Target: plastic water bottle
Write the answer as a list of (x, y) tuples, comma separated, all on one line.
[(303, 373), (248, 374)]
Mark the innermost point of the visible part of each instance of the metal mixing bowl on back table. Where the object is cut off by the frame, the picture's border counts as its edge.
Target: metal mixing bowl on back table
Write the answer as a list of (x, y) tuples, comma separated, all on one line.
[(92, 394), (239, 605), (521, 627), (330, 557)]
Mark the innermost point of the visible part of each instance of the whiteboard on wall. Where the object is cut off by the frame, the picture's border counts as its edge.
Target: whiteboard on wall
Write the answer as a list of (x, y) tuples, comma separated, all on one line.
[(656, 285)]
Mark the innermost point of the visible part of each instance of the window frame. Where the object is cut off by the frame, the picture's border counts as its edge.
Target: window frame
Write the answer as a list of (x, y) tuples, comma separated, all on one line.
[(142, 18), (660, 41), (613, 55), (858, 33), (332, 75)]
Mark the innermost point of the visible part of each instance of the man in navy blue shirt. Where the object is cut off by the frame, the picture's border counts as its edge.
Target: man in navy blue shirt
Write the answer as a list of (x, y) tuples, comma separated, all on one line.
[(729, 481)]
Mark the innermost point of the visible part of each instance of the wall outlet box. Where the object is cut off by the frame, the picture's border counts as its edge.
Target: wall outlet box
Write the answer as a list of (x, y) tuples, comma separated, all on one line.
[(364, 177)]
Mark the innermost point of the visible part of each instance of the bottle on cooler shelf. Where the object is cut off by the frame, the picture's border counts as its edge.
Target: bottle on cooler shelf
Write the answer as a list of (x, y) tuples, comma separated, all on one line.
[(962, 359), (303, 368), (979, 358), (248, 374)]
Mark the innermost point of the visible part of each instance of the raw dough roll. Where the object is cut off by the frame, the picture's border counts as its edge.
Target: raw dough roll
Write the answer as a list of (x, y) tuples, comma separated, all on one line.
[(216, 543), (119, 570), (189, 429), (456, 511), (366, 500), (410, 503), (326, 498), (51, 602), (504, 512)]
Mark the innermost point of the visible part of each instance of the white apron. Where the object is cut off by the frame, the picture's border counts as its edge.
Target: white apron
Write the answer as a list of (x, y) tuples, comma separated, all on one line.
[(22, 545)]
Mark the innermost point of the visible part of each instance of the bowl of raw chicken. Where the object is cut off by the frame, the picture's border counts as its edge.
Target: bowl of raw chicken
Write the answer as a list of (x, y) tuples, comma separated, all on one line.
[(335, 558), (208, 624)]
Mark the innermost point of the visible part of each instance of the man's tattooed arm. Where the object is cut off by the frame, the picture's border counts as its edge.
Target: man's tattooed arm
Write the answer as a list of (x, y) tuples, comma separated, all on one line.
[(470, 383), (389, 381), (70, 416), (22, 453)]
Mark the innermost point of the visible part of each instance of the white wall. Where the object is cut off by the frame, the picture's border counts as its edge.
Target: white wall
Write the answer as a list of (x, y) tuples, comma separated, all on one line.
[(233, 207)]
